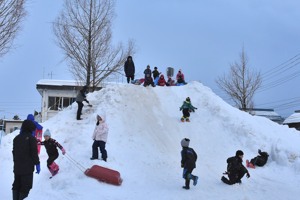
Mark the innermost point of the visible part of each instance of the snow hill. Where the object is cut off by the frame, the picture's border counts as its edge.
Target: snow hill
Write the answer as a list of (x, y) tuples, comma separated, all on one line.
[(144, 146)]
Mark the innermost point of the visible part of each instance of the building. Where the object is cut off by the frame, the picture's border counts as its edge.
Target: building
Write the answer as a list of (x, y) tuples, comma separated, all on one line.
[(57, 95), (268, 113), (10, 125), (293, 121)]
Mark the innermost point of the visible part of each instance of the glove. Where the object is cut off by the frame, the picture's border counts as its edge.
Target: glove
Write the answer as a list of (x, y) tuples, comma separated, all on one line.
[(63, 151), (248, 175), (38, 168)]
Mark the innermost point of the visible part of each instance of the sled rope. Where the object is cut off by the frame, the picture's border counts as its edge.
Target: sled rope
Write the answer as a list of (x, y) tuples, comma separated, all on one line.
[(77, 164)]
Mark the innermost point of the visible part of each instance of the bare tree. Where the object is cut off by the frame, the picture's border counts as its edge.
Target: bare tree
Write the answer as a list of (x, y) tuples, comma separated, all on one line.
[(11, 14), (83, 31), (241, 83)]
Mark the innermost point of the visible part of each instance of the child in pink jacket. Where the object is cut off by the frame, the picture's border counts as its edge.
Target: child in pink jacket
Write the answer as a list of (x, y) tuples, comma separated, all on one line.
[(100, 138)]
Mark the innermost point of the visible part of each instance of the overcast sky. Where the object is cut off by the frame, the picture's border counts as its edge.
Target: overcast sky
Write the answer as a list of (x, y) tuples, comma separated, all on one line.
[(201, 37)]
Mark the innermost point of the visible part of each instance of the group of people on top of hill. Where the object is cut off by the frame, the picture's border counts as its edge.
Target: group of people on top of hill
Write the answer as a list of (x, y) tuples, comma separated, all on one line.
[(153, 78)]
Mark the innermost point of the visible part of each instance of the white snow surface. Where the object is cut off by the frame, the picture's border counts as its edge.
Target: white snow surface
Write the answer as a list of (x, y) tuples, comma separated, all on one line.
[(144, 146)]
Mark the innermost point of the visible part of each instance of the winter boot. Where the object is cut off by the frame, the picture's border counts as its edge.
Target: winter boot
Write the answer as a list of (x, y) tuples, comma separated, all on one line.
[(187, 120), (53, 168), (249, 164), (182, 119), (225, 180), (187, 184), (195, 180)]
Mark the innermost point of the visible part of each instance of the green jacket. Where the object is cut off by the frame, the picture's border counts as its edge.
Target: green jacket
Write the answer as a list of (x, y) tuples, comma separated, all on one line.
[(187, 105)]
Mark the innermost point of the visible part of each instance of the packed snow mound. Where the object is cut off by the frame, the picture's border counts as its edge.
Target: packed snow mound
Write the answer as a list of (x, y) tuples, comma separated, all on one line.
[(144, 146)]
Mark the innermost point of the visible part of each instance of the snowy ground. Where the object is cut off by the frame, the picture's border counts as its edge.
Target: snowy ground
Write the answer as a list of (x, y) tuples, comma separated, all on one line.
[(144, 146)]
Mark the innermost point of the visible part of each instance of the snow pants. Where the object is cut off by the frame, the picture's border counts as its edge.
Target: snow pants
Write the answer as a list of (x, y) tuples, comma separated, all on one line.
[(51, 159), (101, 145), (21, 186), (130, 77), (79, 110), (187, 175), (186, 113)]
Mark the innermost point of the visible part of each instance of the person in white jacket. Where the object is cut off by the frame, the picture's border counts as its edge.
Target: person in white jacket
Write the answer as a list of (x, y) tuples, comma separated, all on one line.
[(100, 139)]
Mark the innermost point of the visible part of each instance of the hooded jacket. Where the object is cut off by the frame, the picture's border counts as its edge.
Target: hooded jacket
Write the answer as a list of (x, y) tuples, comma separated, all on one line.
[(81, 96), (25, 154), (37, 125), (180, 76), (101, 132), (187, 105), (129, 67), (235, 165), (188, 158), (161, 81)]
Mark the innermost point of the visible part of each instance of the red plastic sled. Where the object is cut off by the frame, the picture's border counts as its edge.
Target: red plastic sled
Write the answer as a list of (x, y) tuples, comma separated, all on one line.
[(104, 174)]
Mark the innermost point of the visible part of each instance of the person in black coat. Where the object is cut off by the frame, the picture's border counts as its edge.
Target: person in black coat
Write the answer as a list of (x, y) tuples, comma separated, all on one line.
[(259, 160), (129, 69), (25, 157), (155, 73), (81, 96), (148, 72), (188, 163), (235, 169)]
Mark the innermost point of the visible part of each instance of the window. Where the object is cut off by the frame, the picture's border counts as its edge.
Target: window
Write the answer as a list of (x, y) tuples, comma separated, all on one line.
[(59, 103)]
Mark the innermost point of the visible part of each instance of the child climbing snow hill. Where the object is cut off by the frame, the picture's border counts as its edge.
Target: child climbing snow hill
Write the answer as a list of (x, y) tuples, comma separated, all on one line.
[(51, 148), (186, 108), (188, 163)]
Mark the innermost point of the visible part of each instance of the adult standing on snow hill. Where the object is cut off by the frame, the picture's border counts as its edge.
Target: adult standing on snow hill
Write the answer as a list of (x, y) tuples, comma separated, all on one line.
[(188, 163), (235, 169), (100, 139), (81, 96), (25, 157), (129, 69), (186, 108)]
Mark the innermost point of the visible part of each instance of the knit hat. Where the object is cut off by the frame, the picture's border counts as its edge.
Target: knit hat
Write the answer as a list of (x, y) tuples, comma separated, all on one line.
[(239, 153), (28, 126), (185, 142), (47, 133), (99, 118)]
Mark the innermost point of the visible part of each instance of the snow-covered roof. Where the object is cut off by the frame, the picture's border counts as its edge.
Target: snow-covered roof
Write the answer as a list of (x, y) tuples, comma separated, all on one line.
[(294, 118), (264, 113), (59, 82)]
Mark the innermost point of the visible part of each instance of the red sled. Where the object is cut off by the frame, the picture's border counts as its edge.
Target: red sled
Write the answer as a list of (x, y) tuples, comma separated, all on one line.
[(104, 174), (39, 136)]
